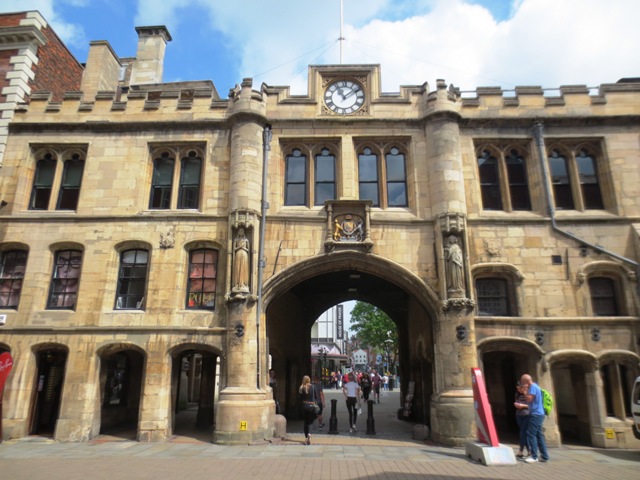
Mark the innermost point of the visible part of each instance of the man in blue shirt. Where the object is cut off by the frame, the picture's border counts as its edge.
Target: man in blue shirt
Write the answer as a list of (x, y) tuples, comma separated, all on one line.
[(536, 413)]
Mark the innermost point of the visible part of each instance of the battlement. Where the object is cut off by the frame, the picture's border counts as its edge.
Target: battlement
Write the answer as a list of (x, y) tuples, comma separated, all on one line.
[(536, 96), (621, 98)]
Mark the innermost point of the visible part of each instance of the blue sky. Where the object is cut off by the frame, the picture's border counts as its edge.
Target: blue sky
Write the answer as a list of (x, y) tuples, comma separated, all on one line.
[(469, 43)]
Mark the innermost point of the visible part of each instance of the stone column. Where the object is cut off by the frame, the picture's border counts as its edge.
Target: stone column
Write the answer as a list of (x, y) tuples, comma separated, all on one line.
[(452, 413), (245, 412)]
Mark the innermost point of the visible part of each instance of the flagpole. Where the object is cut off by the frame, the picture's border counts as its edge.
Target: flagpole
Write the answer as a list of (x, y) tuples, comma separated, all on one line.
[(341, 36)]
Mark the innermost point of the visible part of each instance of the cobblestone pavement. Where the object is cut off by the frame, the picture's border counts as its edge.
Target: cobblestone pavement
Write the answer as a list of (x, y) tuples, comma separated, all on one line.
[(387, 455)]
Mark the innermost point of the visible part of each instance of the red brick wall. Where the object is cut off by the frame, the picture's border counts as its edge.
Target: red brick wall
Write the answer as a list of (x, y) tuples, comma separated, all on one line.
[(57, 70), (11, 20), (5, 67)]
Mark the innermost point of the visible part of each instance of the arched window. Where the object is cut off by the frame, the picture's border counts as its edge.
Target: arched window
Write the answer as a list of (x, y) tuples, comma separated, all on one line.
[(382, 174), (201, 286), (13, 264), (493, 297), (325, 177), (165, 192), (65, 280), (162, 182), (562, 194), (44, 189), (575, 176), (70, 187), (396, 178), (589, 185), (132, 280), (604, 296), (43, 182), (190, 172), (504, 185), (296, 178), (489, 181)]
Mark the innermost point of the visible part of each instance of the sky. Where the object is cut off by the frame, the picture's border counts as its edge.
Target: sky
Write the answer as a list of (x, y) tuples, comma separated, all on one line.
[(468, 43)]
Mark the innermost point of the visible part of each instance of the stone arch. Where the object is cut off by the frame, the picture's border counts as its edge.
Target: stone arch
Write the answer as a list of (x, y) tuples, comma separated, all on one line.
[(348, 260), (195, 374), (576, 397), (503, 360), (306, 289), (122, 368), (48, 389)]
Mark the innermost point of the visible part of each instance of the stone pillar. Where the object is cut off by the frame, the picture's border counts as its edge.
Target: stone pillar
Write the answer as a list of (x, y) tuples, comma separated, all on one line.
[(81, 388), (101, 72), (452, 412), (245, 411), (154, 423)]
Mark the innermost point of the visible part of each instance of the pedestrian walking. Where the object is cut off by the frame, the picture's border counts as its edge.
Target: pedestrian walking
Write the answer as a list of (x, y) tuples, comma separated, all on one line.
[(376, 380), (308, 399), (351, 391), (535, 436)]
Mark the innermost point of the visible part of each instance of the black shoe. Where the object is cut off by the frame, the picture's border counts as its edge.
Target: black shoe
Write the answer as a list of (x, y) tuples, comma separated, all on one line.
[(320, 426)]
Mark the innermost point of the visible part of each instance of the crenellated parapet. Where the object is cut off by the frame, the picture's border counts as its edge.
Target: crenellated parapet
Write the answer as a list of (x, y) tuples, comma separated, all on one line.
[(565, 100)]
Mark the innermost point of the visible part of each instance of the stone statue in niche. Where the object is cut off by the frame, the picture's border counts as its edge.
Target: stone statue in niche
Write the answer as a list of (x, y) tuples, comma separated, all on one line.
[(240, 277), (455, 267)]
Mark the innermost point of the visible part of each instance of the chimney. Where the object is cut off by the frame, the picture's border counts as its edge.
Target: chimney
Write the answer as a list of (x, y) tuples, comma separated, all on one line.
[(101, 71), (149, 62)]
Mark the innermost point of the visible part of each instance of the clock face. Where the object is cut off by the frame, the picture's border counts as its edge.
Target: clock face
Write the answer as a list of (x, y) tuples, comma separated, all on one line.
[(344, 97)]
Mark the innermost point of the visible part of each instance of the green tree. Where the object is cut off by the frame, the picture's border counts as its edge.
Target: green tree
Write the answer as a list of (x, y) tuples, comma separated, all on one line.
[(374, 328)]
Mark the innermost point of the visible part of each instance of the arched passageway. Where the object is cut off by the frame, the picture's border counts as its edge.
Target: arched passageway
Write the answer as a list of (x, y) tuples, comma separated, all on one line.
[(298, 296), (121, 374), (194, 380), (504, 361), (51, 363)]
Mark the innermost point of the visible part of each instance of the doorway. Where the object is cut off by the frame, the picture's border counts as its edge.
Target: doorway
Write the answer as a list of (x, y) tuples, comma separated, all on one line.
[(50, 366), (194, 380), (121, 373), (571, 403)]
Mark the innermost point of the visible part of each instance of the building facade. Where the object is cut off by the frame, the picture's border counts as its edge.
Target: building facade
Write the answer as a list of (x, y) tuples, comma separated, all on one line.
[(151, 229)]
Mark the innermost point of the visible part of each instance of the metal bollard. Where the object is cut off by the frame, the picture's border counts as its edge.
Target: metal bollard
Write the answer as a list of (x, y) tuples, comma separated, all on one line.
[(371, 423), (333, 421)]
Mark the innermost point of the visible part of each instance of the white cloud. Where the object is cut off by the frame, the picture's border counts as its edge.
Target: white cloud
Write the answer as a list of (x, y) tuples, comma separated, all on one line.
[(544, 42)]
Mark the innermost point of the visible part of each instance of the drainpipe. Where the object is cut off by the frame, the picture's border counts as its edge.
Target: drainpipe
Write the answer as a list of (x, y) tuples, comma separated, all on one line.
[(539, 137), (266, 147)]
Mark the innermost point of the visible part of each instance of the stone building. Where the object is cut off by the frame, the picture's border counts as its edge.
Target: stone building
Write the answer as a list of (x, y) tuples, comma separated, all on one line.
[(155, 232)]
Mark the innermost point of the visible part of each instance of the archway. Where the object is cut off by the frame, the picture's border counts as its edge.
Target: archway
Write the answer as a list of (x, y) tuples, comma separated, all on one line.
[(121, 374), (49, 382), (297, 296), (194, 380), (504, 361), (574, 391)]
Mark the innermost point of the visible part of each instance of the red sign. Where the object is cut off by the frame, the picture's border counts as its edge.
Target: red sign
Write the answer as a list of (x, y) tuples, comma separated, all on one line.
[(6, 362), (484, 418)]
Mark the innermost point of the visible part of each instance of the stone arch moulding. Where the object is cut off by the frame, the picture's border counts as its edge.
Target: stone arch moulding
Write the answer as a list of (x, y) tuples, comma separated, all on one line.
[(582, 357), (115, 347), (606, 355), (493, 268), (604, 267), (187, 346), (501, 343), (350, 260)]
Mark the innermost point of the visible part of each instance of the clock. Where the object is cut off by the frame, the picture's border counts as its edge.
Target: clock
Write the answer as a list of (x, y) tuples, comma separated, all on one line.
[(344, 97)]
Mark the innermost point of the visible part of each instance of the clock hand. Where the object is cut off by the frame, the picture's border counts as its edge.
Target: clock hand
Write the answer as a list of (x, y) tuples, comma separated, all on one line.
[(351, 92)]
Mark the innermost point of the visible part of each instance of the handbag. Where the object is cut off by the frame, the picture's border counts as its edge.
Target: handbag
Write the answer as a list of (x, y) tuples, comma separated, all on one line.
[(359, 410)]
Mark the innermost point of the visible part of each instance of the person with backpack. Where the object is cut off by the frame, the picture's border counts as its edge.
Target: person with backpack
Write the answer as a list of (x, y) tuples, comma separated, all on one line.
[(535, 436), (522, 419)]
